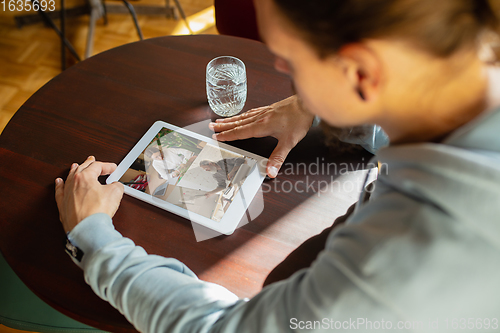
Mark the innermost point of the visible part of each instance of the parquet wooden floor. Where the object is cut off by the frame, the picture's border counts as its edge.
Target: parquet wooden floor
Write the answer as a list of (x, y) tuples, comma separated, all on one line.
[(30, 56)]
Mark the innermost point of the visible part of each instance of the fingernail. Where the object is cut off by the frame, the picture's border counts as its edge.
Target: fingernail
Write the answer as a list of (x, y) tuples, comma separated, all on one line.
[(211, 125), (214, 136), (74, 165), (90, 157), (273, 171), (58, 181), (218, 120)]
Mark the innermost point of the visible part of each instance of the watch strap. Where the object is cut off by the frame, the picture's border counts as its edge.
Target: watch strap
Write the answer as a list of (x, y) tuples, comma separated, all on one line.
[(73, 251)]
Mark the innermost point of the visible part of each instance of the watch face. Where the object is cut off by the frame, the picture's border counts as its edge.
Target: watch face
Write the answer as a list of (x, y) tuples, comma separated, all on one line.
[(73, 251)]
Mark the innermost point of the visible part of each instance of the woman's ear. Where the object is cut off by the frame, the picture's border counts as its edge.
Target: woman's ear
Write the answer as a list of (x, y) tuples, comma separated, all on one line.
[(362, 69)]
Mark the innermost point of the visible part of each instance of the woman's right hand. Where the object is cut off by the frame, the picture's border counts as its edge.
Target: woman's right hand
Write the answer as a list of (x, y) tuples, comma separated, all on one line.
[(285, 120)]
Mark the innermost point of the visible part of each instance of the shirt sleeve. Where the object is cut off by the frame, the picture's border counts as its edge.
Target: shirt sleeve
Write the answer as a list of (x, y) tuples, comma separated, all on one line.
[(234, 162), (154, 293), (158, 294), (221, 178), (187, 154)]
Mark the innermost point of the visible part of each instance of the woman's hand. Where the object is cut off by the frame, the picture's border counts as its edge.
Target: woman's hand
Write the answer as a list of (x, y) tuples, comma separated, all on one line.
[(285, 120), (82, 195)]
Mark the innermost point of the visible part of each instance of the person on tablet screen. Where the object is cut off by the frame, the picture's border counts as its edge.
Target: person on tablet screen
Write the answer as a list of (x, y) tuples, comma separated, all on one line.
[(222, 171), (169, 161), (420, 255)]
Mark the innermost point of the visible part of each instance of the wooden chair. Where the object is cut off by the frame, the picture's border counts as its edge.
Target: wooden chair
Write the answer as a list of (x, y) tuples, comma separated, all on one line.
[(236, 18), (98, 10)]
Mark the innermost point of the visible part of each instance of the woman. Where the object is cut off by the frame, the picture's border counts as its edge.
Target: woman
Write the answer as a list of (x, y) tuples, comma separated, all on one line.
[(422, 254), (169, 160)]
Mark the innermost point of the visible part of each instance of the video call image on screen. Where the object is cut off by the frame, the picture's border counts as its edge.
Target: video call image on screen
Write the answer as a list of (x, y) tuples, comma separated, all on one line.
[(189, 173)]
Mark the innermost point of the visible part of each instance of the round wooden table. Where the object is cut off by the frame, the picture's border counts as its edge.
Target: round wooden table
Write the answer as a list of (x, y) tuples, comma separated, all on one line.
[(102, 106)]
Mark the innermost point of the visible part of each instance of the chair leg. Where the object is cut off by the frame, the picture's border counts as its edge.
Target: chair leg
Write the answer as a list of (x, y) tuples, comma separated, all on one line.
[(171, 13), (105, 14), (183, 15), (134, 17), (94, 15), (54, 27)]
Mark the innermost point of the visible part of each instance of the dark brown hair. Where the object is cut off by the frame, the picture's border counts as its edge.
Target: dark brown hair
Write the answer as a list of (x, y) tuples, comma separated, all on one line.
[(438, 26)]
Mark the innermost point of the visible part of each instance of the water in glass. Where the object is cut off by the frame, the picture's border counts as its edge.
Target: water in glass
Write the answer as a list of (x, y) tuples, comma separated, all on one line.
[(226, 87)]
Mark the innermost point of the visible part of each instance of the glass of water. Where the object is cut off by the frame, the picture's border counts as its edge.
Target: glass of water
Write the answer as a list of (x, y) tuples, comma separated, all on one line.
[(226, 85)]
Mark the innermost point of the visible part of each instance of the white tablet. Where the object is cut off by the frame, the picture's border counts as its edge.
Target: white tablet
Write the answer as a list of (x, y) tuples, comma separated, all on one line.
[(188, 174)]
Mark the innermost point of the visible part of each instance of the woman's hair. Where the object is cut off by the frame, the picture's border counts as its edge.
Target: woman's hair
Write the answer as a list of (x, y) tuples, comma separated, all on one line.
[(440, 27)]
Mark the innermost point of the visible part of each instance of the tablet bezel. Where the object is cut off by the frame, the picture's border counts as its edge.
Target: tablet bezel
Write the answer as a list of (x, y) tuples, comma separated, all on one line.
[(238, 206)]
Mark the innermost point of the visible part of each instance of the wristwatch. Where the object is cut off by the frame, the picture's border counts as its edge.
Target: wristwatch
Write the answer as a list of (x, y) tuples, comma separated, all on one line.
[(73, 250), (316, 121)]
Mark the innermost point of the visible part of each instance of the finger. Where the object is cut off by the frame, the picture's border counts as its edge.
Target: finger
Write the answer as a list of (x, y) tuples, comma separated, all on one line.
[(59, 194), (277, 158), (244, 115), (221, 127), (116, 194), (86, 163), (118, 185), (97, 169), (252, 130), (72, 170), (118, 189)]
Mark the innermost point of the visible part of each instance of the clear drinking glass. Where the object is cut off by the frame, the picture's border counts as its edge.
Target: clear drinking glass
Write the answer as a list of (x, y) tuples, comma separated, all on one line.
[(226, 85)]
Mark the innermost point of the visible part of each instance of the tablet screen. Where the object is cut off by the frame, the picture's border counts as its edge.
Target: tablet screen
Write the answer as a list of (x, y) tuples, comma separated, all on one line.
[(189, 173)]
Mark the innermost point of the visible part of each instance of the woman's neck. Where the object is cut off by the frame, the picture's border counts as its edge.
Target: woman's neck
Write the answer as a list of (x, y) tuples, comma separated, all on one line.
[(444, 95)]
